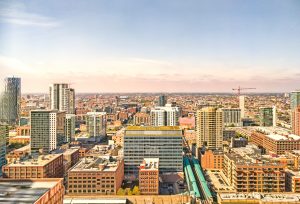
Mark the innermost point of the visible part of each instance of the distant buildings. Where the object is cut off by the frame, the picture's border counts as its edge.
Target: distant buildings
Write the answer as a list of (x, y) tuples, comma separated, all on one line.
[(141, 119), (47, 130), (96, 124), (232, 117), (165, 116), (10, 101), (295, 99), (267, 116), (44, 166), (209, 128), (142, 142), (242, 105), (96, 175), (149, 176), (62, 98)]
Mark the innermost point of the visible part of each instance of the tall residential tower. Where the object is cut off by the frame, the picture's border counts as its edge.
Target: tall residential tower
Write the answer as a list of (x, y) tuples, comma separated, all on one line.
[(62, 98)]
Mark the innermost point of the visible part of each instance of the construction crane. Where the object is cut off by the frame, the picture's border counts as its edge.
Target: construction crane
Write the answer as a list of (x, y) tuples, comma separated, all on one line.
[(239, 90)]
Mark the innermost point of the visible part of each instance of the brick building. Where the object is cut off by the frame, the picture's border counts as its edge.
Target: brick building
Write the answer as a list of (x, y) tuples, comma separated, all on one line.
[(149, 176)]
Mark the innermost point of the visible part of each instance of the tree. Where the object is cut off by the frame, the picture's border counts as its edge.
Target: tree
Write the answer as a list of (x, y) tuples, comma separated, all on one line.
[(129, 192), (121, 191), (136, 190)]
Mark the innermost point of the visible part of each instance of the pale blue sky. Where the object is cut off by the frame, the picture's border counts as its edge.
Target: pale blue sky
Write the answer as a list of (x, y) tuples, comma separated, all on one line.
[(152, 45)]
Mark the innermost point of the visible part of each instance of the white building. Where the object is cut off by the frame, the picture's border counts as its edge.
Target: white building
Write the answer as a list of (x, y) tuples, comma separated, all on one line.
[(96, 124), (62, 98), (232, 117), (70, 127), (165, 116), (242, 105)]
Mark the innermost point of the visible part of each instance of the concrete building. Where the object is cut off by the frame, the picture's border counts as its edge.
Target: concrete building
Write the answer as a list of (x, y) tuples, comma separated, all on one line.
[(292, 181), (149, 176), (165, 116), (251, 173), (3, 138), (23, 130), (232, 117), (44, 166), (70, 127), (296, 120), (209, 128), (295, 99), (62, 98), (96, 124), (141, 119), (242, 105), (238, 142), (267, 116), (164, 143), (47, 130), (10, 101), (96, 175), (36, 191)]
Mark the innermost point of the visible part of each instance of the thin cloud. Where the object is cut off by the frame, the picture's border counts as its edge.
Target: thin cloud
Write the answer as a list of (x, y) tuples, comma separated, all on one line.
[(18, 17)]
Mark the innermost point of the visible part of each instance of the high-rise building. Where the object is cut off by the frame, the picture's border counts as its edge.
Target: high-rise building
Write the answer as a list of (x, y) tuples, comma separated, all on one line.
[(267, 116), (242, 105), (70, 127), (162, 100), (165, 116), (10, 100), (209, 128), (295, 99), (47, 130), (232, 117), (96, 124), (296, 121), (164, 143), (62, 98), (3, 139)]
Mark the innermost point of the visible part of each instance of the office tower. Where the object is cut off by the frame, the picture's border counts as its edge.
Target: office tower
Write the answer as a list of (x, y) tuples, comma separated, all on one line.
[(3, 140), (10, 100), (62, 98), (165, 116), (162, 100), (164, 143), (47, 130), (295, 99), (209, 128), (296, 121), (266, 116), (70, 127), (242, 105), (96, 124), (149, 176), (232, 117)]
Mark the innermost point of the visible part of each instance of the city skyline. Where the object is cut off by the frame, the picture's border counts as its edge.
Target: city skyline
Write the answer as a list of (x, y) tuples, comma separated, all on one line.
[(135, 46)]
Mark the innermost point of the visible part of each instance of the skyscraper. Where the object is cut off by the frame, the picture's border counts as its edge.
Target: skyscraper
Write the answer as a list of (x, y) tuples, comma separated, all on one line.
[(242, 105), (62, 98), (70, 127), (47, 130), (162, 100), (209, 128), (165, 116), (295, 99), (266, 116), (96, 124), (10, 101), (3, 139)]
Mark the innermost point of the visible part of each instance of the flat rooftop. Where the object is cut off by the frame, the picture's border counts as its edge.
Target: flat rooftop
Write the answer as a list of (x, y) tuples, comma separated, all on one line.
[(265, 197), (278, 137), (153, 128), (24, 191), (104, 163), (41, 160), (219, 181), (150, 164)]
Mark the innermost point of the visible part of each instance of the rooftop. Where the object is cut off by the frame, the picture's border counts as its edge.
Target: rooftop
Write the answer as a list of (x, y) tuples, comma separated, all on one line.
[(103, 163), (150, 164), (266, 197), (153, 128), (41, 160), (24, 191)]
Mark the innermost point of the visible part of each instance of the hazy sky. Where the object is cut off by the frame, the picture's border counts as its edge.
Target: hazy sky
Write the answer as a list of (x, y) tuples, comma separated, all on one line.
[(151, 45)]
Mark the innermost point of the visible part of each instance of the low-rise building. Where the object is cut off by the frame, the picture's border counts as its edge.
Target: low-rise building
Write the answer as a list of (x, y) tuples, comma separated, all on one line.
[(96, 175), (212, 159), (293, 181), (149, 176), (44, 166), (23, 130)]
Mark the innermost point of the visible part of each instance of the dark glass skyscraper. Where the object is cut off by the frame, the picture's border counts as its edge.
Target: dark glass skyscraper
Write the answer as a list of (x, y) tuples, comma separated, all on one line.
[(10, 101), (162, 100)]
